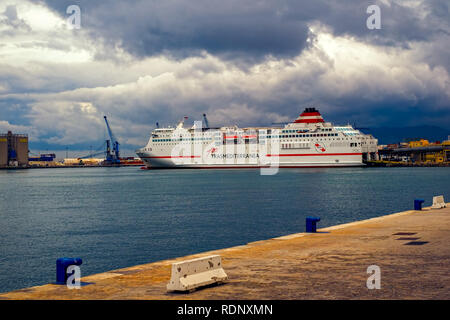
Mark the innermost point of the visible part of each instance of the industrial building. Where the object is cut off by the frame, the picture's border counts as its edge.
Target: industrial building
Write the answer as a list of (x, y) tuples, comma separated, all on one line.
[(13, 150), (420, 152), (83, 161), (43, 160)]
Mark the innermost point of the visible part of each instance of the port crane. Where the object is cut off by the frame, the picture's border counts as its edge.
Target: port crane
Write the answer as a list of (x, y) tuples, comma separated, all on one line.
[(111, 153), (112, 147)]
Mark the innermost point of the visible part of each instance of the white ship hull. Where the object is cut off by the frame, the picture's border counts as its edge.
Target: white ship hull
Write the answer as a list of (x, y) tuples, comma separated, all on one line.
[(153, 161)]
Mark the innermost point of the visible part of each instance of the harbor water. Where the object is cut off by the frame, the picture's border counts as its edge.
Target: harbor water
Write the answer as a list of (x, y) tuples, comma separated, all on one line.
[(120, 217)]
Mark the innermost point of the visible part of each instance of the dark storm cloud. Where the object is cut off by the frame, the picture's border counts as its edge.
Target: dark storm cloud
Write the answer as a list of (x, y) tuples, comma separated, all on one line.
[(183, 28), (400, 23), (250, 28)]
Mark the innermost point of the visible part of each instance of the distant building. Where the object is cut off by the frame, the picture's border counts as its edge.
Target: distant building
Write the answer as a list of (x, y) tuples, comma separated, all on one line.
[(418, 152), (13, 150), (49, 157), (44, 160), (82, 161), (419, 143)]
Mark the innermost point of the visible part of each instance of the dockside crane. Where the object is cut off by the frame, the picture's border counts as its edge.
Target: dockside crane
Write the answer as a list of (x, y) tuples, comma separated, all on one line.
[(112, 155)]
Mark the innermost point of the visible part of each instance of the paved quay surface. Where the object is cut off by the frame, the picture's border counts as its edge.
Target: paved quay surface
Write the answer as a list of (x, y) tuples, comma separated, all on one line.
[(330, 264)]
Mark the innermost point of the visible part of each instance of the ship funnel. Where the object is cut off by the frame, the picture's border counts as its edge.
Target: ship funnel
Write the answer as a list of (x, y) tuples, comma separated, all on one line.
[(310, 115)]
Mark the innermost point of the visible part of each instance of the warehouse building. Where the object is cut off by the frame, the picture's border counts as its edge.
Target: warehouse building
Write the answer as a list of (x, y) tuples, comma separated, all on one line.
[(418, 152), (13, 150)]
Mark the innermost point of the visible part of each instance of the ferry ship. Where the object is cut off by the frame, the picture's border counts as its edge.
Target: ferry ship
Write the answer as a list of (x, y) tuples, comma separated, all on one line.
[(308, 141)]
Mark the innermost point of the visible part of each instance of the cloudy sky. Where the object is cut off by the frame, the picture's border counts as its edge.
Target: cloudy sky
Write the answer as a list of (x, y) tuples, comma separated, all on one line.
[(251, 62)]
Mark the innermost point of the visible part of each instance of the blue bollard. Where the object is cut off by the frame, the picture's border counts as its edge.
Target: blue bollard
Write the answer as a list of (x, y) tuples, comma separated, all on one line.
[(61, 268), (418, 204), (311, 224)]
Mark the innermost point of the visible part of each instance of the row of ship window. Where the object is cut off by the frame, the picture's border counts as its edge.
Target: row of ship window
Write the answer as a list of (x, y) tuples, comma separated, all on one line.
[(307, 145), (293, 131), (303, 135), (262, 137), (180, 139)]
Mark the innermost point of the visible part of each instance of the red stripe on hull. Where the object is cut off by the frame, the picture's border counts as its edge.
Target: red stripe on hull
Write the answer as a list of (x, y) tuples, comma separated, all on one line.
[(170, 157), (269, 155), (258, 167), (314, 154)]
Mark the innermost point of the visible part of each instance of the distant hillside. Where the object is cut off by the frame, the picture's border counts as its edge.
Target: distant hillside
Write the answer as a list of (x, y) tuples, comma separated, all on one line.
[(386, 135)]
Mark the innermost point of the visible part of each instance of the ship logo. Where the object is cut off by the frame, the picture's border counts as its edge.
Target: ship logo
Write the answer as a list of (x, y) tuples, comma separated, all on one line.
[(212, 150), (320, 147)]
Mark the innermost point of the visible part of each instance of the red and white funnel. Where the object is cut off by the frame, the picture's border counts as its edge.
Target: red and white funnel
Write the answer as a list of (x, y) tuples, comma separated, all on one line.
[(310, 115)]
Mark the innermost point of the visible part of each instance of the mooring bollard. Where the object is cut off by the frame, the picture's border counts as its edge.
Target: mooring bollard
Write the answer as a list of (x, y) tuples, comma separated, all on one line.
[(61, 268), (311, 224), (418, 204)]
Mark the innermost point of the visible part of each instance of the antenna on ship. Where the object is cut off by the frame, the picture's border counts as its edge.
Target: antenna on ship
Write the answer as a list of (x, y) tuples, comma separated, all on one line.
[(206, 121), (157, 125)]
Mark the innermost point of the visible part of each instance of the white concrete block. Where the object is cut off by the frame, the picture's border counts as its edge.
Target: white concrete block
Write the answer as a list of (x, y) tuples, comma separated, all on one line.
[(191, 274), (438, 202)]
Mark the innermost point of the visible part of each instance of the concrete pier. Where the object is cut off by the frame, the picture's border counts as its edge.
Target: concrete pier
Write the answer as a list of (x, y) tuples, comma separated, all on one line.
[(411, 248)]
